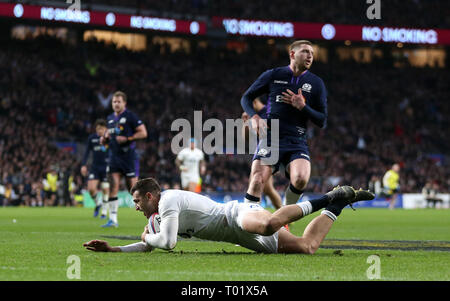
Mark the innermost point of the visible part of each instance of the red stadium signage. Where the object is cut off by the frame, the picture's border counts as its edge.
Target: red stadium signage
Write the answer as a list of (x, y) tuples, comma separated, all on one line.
[(337, 32), (100, 18)]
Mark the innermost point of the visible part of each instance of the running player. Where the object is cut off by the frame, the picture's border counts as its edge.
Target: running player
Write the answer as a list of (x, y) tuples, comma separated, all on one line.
[(295, 95), (391, 184), (124, 127), (269, 190), (191, 162), (188, 214), (99, 168)]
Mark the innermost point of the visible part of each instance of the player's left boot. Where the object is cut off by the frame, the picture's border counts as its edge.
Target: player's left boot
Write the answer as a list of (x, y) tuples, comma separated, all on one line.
[(350, 196), (341, 193), (109, 224), (361, 195)]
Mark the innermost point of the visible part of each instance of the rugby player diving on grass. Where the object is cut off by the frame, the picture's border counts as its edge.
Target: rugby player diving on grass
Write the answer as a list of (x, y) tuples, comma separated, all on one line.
[(189, 214)]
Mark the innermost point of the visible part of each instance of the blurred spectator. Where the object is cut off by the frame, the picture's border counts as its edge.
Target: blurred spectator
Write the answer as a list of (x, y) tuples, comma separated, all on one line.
[(430, 192)]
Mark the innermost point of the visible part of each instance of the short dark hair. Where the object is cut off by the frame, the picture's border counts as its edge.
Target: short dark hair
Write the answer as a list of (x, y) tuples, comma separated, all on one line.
[(146, 185), (120, 94), (298, 43), (100, 122)]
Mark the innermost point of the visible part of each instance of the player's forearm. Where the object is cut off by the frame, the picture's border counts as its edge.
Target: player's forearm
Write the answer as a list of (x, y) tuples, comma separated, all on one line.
[(137, 136), (247, 103), (317, 117), (135, 247), (141, 133), (166, 239), (160, 241)]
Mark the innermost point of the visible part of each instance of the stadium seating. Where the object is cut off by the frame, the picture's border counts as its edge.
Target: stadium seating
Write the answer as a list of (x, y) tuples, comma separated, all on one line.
[(377, 114)]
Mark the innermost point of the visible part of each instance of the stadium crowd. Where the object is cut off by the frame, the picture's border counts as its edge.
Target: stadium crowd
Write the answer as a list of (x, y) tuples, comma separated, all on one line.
[(51, 91), (393, 12)]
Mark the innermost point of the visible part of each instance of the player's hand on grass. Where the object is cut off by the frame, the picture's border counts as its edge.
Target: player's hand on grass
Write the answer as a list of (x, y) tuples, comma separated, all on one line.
[(258, 125), (121, 139), (144, 233), (97, 246), (295, 100), (84, 170)]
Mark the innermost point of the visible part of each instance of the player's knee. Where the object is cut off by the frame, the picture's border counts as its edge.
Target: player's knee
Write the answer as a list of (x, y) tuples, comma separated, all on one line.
[(271, 225), (311, 248), (299, 181)]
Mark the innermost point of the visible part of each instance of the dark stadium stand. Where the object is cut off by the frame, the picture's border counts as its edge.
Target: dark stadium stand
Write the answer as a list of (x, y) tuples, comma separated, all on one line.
[(378, 114)]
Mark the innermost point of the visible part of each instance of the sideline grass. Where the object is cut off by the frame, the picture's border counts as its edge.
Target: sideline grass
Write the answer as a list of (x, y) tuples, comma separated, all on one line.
[(37, 245)]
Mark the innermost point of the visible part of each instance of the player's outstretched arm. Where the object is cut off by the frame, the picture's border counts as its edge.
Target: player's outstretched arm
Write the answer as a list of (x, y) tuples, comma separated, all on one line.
[(103, 246), (100, 246)]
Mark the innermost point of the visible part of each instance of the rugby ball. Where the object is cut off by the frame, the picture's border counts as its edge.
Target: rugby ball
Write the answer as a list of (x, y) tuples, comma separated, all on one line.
[(153, 223)]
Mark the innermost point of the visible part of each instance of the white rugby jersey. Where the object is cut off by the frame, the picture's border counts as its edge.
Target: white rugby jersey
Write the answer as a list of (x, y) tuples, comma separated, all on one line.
[(191, 159), (190, 214)]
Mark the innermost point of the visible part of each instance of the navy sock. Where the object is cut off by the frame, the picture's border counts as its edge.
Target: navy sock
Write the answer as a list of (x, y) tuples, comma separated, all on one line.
[(112, 199), (319, 203), (251, 198), (295, 190), (335, 208)]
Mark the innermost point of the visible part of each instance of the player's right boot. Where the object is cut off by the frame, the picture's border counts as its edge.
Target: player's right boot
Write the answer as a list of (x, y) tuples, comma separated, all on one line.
[(109, 224)]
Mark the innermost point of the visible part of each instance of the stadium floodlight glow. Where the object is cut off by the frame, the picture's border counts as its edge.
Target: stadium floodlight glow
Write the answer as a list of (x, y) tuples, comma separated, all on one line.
[(153, 23), (110, 19), (400, 35), (194, 27), (328, 31), (259, 28), (67, 15), (18, 10)]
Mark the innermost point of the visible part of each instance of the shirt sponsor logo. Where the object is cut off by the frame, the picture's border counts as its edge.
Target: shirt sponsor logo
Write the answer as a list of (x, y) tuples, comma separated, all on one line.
[(280, 82)]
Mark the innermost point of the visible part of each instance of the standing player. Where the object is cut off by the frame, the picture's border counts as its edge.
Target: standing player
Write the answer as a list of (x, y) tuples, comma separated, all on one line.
[(191, 162), (124, 127), (99, 167), (391, 184), (295, 95), (189, 214), (269, 190)]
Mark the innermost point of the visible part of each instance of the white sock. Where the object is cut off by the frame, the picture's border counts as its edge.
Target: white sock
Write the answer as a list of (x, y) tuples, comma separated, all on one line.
[(98, 199), (113, 209), (105, 204), (329, 214), (291, 197), (306, 207)]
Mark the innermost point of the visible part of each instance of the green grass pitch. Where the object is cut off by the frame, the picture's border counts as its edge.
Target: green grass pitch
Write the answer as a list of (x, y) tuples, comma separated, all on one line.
[(37, 245)]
